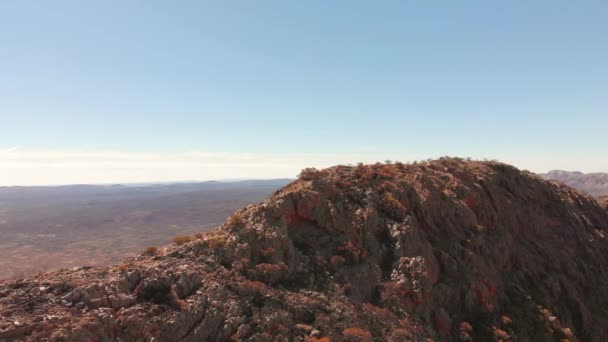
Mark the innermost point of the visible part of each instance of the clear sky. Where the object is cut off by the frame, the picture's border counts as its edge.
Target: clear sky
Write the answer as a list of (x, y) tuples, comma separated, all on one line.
[(121, 91)]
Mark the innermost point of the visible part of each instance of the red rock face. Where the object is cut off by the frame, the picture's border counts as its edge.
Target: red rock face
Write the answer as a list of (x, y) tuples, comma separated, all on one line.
[(443, 250)]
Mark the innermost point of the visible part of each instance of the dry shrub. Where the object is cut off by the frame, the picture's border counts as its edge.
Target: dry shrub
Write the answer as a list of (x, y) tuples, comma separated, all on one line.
[(275, 332), (393, 289), (217, 240), (337, 261), (309, 174), (500, 335), (386, 186), (250, 287), (320, 339), (182, 239), (160, 293), (402, 335), (350, 252), (387, 171), (343, 184), (267, 252), (151, 250), (392, 207), (270, 273), (359, 169), (465, 326), (368, 174), (347, 288), (452, 162), (236, 220), (378, 311), (358, 333), (181, 304), (568, 333), (545, 312)]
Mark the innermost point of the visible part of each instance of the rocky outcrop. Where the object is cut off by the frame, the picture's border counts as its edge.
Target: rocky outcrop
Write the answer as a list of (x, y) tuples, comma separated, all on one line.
[(447, 250)]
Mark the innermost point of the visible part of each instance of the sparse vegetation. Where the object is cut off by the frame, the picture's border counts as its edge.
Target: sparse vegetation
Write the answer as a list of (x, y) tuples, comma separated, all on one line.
[(151, 250), (182, 239), (391, 206), (343, 184), (500, 335), (358, 333), (378, 311), (267, 253), (505, 320), (236, 220), (270, 273), (250, 287), (309, 174), (350, 252), (217, 240), (337, 261), (394, 290), (160, 293), (320, 339)]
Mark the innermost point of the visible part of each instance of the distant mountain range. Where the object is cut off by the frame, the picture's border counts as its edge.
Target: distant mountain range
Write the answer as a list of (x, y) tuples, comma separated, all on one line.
[(595, 184)]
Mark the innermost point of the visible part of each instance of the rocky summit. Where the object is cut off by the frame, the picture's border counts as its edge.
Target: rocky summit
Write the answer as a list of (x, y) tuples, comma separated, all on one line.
[(446, 250)]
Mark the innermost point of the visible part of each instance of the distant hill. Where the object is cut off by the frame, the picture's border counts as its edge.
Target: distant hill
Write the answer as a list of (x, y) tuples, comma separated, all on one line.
[(595, 184), (47, 228)]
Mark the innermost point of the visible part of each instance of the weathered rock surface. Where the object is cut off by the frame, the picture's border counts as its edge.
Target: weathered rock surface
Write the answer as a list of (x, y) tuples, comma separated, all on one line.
[(445, 250)]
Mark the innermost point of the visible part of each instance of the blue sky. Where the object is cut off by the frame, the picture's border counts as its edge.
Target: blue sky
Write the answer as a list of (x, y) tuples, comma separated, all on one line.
[(322, 82)]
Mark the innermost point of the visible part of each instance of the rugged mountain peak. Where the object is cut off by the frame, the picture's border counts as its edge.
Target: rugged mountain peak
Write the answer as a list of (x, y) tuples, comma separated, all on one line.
[(442, 250)]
